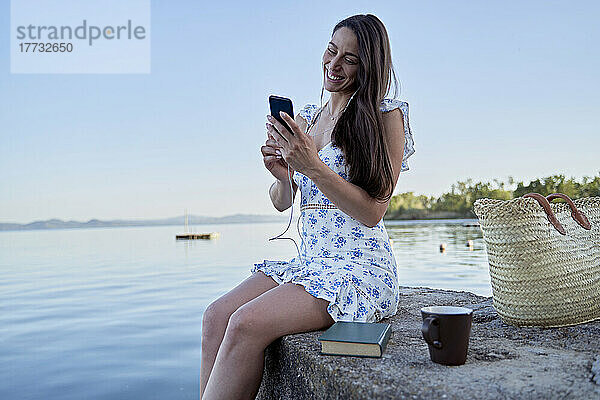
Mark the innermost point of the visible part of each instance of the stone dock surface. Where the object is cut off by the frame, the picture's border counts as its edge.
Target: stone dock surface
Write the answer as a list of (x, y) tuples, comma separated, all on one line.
[(503, 362)]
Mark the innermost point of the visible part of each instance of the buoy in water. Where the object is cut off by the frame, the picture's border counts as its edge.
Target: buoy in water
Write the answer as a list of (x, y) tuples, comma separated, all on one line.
[(442, 247)]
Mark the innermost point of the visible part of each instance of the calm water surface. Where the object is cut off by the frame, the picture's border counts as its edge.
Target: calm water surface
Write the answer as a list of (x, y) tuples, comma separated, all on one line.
[(116, 313)]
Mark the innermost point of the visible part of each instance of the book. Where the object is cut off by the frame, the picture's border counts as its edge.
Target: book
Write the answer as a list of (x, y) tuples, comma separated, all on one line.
[(361, 339)]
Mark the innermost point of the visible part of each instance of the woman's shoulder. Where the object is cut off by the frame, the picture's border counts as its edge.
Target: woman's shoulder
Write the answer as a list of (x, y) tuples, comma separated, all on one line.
[(391, 104), (409, 149)]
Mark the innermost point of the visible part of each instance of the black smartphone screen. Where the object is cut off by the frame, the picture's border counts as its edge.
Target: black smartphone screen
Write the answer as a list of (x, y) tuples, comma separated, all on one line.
[(284, 104)]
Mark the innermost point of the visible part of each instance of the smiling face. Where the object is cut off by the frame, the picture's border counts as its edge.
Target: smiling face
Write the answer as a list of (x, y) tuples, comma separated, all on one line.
[(340, 61)]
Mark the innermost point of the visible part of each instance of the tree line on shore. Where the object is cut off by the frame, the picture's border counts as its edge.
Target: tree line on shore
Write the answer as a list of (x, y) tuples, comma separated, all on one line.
[(458, 203)]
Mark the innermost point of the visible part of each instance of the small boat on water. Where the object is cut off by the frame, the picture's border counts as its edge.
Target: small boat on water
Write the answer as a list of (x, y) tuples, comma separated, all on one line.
[(471, 225), (193, 236)]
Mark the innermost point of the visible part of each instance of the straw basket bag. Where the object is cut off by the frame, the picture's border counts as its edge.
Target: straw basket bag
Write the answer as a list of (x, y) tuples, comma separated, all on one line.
[(544, 258)]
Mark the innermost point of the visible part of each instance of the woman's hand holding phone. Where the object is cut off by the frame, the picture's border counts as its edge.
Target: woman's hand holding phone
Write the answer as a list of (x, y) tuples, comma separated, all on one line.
[(297, 148)]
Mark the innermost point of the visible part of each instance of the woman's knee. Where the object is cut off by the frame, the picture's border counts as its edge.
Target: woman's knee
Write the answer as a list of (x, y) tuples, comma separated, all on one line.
[(214, 321), (245, 325)]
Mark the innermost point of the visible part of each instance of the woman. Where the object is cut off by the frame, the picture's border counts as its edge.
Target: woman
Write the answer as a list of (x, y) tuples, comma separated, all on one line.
[(345, 157)]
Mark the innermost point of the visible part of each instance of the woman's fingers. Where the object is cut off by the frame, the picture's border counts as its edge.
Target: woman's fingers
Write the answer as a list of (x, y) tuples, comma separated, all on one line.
[(272, 158), (279, 129), (268, 150), (291, 123), (300, 138), (271, 151), (279, 139), (272, 143)]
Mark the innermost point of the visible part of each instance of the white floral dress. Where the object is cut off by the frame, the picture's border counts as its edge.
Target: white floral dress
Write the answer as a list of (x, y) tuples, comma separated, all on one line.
[(343, 261)]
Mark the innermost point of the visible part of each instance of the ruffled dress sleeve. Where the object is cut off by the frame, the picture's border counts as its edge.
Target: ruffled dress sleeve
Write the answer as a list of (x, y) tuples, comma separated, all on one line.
[(409, 149), (308, 112)]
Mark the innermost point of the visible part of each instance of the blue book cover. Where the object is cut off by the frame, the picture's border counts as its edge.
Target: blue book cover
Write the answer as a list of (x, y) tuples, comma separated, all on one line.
[(355, 339)]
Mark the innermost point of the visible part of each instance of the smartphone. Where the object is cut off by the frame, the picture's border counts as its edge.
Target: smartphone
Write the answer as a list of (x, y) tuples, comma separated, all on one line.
[(278, 103)]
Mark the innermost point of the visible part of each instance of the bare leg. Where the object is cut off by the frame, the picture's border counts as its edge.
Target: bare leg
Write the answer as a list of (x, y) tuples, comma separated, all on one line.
[(284, 310), (217, 315)]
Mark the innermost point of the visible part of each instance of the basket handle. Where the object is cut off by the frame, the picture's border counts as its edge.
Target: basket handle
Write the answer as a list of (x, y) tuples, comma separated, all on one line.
[(549, 214), (575, 213)]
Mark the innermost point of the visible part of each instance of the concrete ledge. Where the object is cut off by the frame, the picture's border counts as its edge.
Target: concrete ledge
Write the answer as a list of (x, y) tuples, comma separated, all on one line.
[(503, 361)]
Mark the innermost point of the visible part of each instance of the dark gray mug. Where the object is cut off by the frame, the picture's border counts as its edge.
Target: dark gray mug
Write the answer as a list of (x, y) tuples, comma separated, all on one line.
[(446, 329)]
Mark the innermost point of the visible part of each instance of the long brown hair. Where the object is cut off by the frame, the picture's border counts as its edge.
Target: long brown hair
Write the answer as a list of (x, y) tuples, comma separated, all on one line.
[(359, 132)]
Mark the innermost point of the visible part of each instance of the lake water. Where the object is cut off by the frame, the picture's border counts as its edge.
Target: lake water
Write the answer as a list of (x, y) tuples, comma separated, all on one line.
[(116, 313)]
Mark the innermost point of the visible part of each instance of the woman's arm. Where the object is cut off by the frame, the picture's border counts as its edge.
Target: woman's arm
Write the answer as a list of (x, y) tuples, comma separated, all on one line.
[(352, 199), (279, 192)]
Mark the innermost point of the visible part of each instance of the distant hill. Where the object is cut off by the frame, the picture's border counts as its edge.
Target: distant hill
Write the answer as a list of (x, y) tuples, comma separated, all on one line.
[(192, 220)]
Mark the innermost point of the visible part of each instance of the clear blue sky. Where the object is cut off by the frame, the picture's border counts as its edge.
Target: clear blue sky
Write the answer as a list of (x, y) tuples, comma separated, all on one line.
[(495, 88)]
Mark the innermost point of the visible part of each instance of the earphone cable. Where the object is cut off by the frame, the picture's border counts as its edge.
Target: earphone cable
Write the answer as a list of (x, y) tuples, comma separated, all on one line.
[(290, 221)]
